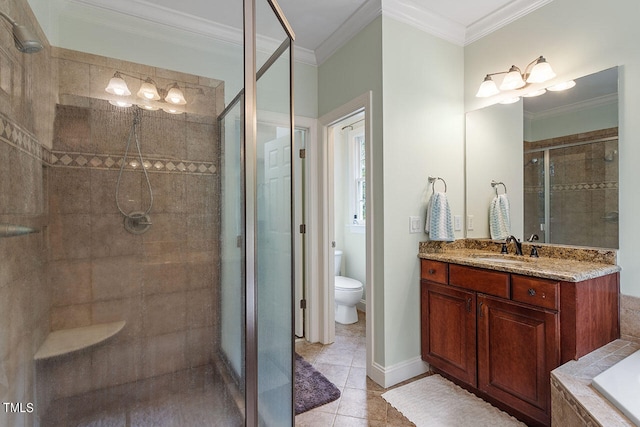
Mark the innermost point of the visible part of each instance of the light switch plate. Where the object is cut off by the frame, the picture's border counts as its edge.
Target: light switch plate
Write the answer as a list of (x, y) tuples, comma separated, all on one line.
[(470, 222), (415, 224), (457, 223)]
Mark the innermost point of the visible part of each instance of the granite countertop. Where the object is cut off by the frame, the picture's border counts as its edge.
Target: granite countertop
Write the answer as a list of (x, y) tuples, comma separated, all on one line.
[(556, 263)]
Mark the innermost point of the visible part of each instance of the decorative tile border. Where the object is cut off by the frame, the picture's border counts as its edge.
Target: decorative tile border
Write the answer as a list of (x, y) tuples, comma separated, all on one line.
[(114, 162), (14, 135), (574, 187), (568, 399)]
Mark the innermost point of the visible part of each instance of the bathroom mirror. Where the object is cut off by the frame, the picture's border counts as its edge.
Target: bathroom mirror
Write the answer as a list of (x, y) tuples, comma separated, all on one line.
[(557, 155)]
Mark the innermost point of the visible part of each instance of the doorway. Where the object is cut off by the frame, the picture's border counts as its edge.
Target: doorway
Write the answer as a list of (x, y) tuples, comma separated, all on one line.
[(323, 223)]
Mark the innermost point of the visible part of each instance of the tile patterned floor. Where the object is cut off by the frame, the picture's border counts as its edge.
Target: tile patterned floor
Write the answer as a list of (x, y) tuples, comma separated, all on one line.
[(344, 364)]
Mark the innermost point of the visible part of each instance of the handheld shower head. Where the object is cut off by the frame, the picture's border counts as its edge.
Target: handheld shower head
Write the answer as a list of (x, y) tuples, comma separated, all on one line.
[(24, 39)]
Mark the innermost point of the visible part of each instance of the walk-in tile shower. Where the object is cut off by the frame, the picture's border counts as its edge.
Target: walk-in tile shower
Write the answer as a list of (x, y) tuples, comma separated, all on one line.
[(149, 278)]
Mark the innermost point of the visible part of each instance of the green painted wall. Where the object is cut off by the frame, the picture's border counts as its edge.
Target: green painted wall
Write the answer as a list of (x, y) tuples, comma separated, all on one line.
[(353, 70)]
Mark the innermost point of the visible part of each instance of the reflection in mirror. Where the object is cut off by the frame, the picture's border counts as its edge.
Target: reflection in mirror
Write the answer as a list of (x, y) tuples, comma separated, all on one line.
[(571, 163), (494, 153), (563, 180)]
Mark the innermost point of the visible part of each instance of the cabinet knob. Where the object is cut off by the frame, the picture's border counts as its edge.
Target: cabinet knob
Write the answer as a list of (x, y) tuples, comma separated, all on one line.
[(432, 271), (532, 291)]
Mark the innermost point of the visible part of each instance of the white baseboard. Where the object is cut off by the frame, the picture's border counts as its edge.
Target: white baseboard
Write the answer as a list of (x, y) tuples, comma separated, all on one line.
[(362, 306), (392, 375)]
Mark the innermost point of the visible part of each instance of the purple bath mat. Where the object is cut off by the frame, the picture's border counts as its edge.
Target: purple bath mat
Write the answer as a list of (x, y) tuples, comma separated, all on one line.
[(312, 389)]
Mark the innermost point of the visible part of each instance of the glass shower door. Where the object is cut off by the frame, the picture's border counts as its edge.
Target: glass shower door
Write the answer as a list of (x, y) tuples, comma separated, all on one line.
[(274, 227), (232, 257)]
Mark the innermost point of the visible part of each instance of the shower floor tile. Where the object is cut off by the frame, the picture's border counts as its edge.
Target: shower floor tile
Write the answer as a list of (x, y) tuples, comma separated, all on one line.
[(196, 397)]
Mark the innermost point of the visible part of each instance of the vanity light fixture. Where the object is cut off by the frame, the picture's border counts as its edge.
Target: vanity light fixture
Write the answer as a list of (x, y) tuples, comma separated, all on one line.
[(151, 98), (537, 71)]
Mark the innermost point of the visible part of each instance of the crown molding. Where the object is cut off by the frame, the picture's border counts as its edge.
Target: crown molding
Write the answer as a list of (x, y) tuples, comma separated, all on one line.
[(142, 9), (500, 18), (575, 107), (411, 12), (362, 17)]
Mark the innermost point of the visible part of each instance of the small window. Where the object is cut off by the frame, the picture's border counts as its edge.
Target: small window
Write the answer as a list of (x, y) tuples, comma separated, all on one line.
[(358, 176)]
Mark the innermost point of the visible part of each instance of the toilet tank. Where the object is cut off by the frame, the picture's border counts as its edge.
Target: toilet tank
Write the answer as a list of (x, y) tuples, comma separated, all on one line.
[(337, 262)]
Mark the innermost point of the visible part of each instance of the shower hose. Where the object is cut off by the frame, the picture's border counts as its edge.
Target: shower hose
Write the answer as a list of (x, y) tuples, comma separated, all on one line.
[(133, 136)]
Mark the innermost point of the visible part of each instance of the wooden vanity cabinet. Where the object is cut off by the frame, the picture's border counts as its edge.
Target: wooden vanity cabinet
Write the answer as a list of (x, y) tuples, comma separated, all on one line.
[(500, 334), (517, 348), (449, 330)]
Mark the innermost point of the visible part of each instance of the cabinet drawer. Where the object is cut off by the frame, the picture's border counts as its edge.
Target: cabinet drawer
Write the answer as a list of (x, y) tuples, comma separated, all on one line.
[(540, 292), (483, 281), (434, 271)]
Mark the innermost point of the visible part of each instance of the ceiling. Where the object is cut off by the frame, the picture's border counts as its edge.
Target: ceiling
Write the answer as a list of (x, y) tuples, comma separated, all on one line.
[(323, 26)]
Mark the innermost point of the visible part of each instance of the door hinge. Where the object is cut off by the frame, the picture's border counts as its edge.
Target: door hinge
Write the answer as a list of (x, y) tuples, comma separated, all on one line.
[(303, 228), (303, 304), (303, 153)]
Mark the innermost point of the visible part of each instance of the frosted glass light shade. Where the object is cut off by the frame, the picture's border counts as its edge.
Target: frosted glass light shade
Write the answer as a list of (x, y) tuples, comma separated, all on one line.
[(175, 96), (487, 88), (123, 104), (117, 86), (148, 91), (171, 110), (562, 86), (513, 80), (535, 93), (148, 106), (541, 72)]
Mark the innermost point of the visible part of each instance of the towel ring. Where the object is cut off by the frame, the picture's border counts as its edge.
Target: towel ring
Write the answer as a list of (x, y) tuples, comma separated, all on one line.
[(432, 181), (495, 184)]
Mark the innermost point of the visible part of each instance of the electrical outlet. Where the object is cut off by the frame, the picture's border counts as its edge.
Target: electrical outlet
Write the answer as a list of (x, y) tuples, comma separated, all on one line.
[(457, 222), (470, 222)]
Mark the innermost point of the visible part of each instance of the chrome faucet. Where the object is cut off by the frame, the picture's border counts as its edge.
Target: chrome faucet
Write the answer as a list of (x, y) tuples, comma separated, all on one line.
[(517, 242)]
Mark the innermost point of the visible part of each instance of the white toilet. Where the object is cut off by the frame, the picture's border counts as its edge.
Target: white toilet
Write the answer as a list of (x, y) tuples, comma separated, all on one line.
[(348, 293)]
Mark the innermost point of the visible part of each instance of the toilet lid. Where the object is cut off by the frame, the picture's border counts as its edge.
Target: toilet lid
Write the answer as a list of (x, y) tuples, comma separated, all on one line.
[(347, 283)]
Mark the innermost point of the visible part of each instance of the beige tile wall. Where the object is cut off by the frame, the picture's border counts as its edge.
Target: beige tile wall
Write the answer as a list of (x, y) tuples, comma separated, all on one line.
[(163, 282), (584, 189), (27, 87), (630, 318)]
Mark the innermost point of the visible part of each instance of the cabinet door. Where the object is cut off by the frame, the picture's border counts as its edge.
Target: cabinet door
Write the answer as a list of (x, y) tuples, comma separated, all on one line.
[(449, 330), (517, 348)]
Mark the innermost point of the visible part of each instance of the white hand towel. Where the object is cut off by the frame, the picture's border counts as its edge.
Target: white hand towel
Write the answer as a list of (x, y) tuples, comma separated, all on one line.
[(439, 225), (499, 220)]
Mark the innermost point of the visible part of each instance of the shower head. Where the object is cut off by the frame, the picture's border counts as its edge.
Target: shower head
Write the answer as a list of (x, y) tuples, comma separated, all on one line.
[(24, 39), (532, 161)]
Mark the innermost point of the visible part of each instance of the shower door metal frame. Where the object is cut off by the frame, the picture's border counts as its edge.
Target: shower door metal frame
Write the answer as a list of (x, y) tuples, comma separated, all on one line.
[(251, 75)]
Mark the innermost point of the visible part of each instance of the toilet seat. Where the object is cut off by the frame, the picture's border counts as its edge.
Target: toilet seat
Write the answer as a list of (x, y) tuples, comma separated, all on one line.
[(347, 284)]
